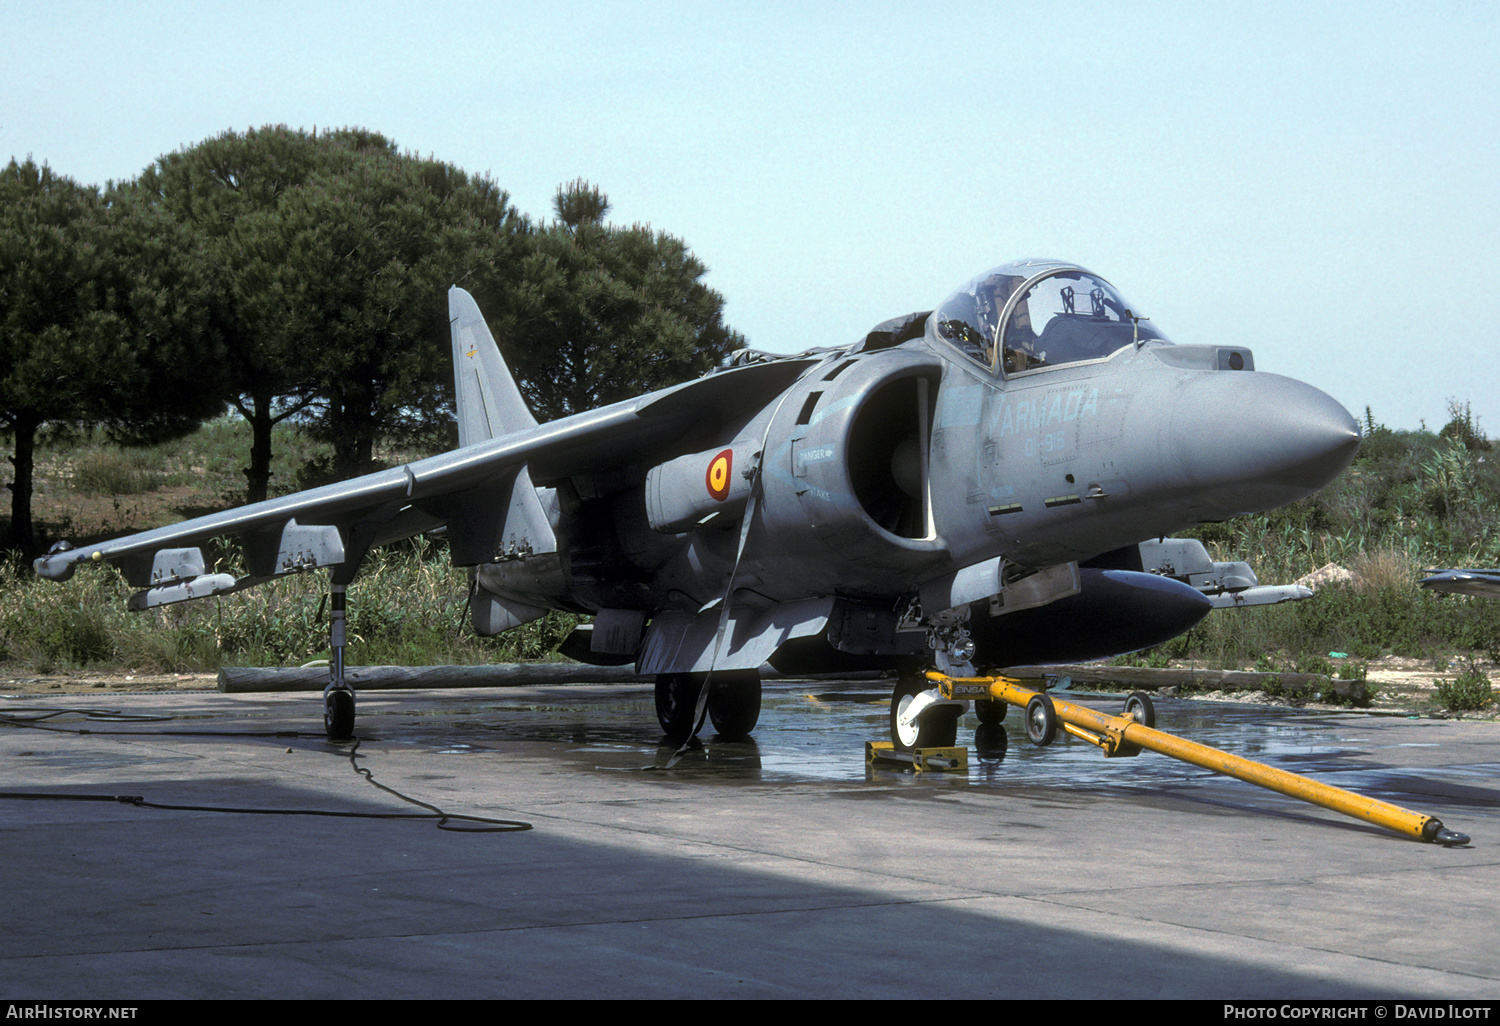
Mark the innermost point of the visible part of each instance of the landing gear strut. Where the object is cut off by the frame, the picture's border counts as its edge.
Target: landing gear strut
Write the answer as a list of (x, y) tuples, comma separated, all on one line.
[(338, 696)]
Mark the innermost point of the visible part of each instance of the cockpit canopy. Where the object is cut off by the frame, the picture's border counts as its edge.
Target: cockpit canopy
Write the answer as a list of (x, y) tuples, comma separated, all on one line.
[(1037, 314)]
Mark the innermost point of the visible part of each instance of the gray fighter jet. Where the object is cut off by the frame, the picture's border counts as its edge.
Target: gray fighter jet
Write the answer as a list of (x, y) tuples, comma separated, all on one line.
[(988, 484), (1482, 583)]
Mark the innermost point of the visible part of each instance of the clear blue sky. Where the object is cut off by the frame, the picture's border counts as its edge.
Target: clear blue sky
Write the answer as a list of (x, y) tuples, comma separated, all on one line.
[(1314, 180)]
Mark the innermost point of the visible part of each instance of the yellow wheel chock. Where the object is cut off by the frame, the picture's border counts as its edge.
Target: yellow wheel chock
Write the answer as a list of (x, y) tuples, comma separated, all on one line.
[(952, 760), (1129, 735)]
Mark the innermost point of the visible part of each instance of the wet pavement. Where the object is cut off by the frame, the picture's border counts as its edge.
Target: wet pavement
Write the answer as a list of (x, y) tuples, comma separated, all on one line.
[(263, 862)]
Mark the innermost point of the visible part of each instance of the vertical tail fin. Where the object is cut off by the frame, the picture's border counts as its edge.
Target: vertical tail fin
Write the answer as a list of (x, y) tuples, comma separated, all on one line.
[(489, 403)]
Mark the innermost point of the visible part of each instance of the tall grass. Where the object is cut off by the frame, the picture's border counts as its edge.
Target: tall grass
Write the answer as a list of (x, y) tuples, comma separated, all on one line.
[(408, 606), (113, 471), (1412, 501), (1363, 622)]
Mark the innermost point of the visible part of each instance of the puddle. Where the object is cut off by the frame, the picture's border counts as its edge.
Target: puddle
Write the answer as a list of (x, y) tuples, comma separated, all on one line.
[(817, 731)]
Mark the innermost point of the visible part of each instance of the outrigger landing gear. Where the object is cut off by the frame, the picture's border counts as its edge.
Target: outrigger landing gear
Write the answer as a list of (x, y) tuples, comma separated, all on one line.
[(338, 696), (338, 713)]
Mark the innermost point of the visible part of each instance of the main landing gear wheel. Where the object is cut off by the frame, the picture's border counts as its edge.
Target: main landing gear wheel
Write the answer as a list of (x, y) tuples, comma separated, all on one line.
[(338, 715), (677, 705), (734, 702), (1041, 720), (937, 727)]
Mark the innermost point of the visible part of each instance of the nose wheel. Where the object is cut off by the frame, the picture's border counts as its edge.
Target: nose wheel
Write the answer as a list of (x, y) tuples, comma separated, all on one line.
[(933, 726)]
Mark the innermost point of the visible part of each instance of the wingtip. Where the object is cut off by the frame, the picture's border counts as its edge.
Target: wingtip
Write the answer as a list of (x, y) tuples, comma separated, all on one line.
[(54, 568)]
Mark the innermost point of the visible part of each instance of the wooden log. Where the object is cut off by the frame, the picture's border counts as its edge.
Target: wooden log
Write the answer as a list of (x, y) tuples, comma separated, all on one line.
[(364, 678), (499, 675), (1145, 678)]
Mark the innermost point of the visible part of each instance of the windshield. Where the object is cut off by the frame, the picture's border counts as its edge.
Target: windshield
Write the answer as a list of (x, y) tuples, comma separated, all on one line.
[(968, 318), (1068, 316)]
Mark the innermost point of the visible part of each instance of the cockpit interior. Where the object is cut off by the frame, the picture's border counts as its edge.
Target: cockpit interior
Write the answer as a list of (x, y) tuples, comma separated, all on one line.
[(1028, 316)]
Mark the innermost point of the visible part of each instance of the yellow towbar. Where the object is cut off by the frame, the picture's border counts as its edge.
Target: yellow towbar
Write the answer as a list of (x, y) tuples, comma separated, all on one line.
[(1130, 733)]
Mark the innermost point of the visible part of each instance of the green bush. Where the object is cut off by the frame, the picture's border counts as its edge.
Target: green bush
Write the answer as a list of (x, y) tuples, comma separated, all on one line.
[(1468, 692)]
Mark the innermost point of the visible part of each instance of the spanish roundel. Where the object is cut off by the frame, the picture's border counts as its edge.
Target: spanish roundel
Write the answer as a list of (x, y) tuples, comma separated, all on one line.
[(717, 477)]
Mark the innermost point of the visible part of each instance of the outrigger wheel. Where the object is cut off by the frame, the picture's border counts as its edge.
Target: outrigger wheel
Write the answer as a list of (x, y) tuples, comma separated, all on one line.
[(937, 727), (338, 714)]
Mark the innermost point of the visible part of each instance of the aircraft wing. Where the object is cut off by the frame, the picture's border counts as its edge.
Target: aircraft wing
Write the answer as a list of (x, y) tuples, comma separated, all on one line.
[(338, 522), (1483, 583)]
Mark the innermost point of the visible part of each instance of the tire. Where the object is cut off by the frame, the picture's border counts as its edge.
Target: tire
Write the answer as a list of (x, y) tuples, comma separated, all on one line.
[(338, 715), (677, 704), (1140, 708), (991, 710), (1041, 721), (991, 742), (937, 727), (734, 702)]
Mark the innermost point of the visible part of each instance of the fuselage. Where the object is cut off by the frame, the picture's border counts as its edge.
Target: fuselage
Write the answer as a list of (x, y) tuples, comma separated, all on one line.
[(1029, 421)]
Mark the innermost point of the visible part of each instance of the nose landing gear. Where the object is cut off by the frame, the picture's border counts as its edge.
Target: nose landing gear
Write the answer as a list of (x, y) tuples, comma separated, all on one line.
[(920, 721)]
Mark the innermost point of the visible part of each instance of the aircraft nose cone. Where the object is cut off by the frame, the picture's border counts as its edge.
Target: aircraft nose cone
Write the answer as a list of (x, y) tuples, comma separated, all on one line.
[(1254, 441)]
